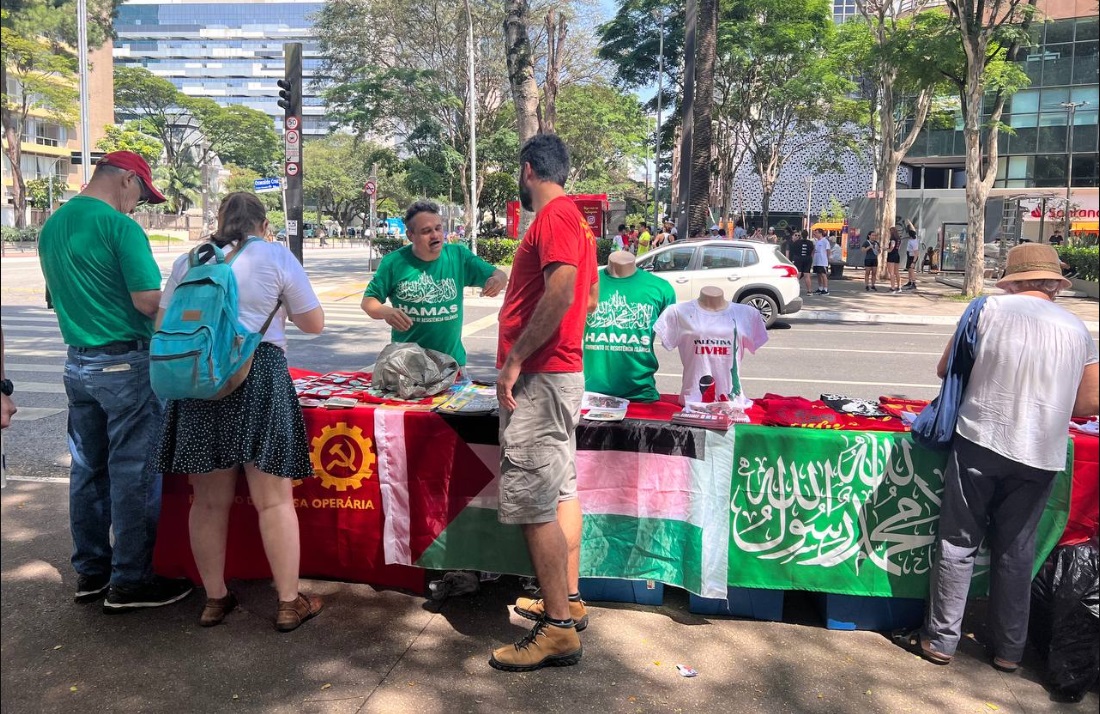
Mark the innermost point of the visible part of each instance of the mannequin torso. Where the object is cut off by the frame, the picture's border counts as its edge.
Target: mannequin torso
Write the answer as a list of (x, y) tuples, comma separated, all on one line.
[(712, 299), (620, 264)]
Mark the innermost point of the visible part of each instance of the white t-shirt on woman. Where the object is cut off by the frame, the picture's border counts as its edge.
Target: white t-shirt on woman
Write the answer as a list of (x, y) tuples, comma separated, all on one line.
[(265, 272)]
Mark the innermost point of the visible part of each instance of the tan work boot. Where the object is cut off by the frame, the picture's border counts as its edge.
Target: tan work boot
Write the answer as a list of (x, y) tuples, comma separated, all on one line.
[(534, 609), (545, 645)]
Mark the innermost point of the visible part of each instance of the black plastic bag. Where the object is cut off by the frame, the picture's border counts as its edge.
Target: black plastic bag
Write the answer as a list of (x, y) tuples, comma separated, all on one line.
[(1065, 618)]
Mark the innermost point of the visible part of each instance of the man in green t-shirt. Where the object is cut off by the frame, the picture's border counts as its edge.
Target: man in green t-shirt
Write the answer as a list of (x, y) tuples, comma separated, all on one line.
[(105, 287), (424, 282), (618, 337)]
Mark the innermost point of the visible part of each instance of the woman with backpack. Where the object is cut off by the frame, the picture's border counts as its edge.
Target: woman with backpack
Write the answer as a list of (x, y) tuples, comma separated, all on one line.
[(257, 429)]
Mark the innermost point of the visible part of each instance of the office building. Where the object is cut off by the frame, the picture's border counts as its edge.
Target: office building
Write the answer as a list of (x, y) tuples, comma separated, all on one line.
[(1062, 67), (47, 145), (230, 52)]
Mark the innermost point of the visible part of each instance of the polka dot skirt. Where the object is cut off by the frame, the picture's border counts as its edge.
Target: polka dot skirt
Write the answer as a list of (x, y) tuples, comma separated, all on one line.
[(260, 422)]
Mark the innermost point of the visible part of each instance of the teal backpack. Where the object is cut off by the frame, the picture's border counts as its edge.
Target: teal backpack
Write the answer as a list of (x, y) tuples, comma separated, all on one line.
[(201, 350)]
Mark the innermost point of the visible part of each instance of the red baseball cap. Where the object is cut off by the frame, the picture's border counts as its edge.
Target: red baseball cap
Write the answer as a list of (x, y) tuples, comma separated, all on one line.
[(129, 161)]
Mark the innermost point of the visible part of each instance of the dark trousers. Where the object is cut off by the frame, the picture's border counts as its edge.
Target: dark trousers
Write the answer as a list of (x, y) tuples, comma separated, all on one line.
[(986, 494)]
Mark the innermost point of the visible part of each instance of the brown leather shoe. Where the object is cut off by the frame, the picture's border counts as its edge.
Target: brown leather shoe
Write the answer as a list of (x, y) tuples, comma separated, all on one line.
[(216, 609), (292, 614), (535, 609), (545, 646)]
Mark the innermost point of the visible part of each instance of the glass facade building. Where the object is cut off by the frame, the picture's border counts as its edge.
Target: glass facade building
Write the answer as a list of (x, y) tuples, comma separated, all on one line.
[(1062, 67), (230, 52)]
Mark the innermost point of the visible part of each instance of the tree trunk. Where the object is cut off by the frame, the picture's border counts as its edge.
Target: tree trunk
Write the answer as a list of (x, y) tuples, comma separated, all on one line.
[(556, 31), (521, 77), (976, 189), (889, 202), (18, 185), (703, 133), (521, 69), (765, 205)]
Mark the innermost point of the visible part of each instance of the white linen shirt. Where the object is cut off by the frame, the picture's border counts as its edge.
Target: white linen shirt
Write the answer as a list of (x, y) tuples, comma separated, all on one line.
[(1030, 357), (265, 272)]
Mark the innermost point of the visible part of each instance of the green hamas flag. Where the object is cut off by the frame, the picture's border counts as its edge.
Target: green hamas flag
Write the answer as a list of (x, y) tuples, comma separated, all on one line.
[(846, 512)]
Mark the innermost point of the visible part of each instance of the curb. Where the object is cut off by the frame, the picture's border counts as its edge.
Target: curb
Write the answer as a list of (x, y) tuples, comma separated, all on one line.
[(846, 316), (869, 317)]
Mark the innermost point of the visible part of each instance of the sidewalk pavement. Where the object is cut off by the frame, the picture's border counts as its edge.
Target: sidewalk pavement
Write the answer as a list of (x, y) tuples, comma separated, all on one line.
[(387, 651), (932, 303)]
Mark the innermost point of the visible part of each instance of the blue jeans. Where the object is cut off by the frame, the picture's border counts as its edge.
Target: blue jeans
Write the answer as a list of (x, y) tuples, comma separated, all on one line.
[(114, 418)]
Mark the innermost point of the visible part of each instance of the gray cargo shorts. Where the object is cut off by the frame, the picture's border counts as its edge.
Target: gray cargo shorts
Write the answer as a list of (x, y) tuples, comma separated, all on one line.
[(538, 447)]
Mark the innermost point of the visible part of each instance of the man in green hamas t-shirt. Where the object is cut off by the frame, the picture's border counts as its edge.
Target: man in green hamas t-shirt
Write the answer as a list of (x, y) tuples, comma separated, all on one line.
[(618, 337), (424, 282)]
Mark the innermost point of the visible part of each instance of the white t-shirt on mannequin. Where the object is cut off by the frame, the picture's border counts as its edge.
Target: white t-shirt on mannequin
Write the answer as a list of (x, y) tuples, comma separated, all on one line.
[(711, 344)]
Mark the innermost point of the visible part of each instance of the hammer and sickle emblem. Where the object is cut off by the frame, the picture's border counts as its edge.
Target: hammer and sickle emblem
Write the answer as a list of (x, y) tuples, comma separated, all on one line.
[(345, 457), (342, 456)]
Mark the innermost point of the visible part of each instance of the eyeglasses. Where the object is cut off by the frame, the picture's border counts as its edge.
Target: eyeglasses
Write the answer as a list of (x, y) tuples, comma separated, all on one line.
[(145, 196)]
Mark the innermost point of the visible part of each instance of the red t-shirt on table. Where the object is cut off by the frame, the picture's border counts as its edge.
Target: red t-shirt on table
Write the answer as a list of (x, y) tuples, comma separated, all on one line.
[(559, 234)]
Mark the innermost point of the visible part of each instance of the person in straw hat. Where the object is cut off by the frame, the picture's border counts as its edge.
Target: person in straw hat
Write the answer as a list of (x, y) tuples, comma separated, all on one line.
[(1035, 366)]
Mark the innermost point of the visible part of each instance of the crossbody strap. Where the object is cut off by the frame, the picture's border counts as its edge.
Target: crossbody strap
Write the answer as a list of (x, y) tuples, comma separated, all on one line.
[(240, 249), (267, 322)]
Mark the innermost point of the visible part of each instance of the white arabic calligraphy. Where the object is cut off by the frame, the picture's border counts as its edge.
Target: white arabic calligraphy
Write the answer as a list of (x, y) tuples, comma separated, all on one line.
[(866, 503)]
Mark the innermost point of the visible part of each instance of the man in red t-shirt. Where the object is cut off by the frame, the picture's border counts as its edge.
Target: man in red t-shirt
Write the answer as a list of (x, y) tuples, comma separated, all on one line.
[(552, 289)]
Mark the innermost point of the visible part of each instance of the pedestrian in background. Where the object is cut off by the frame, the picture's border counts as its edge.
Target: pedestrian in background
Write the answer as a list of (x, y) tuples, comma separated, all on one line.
[(821, 261), (644, 240), (622, 238), (929, 260), (739, 232), (801, 253), (912, 256), (7, 406), (105, 287), (893, 260), (1035, 366), (871, 250), (258, 429), (553, 287)]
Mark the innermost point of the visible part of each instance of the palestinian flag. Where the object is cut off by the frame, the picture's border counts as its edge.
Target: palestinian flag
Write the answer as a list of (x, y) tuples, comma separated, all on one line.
[(655, 499)]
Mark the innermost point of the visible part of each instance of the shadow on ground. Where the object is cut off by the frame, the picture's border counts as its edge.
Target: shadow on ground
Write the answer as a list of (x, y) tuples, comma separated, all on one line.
[(379, 651)]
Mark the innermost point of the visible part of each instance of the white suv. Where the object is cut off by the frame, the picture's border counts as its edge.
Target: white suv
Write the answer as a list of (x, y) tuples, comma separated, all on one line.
[(756, 274)]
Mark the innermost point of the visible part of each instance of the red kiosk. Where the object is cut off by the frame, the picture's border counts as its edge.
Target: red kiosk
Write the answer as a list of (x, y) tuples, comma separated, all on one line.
[(592, 205)]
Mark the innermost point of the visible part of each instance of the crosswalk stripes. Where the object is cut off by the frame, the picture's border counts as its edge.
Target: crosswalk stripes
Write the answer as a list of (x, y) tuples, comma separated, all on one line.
[(35, 353)]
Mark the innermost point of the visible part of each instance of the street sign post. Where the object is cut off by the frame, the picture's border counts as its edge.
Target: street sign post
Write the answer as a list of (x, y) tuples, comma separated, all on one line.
[(291, 102), (263, 185)]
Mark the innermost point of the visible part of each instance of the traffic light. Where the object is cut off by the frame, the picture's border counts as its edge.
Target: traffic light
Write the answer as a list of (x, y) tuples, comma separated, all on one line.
[(286, 95)]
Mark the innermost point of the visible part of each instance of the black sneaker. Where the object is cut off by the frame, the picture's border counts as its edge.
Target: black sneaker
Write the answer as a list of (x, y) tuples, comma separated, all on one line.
[(90, 588), (156, 593)]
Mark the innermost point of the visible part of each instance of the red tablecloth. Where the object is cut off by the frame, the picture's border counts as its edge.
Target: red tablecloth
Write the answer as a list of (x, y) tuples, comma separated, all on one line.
[(340, 513), (1084, 507)]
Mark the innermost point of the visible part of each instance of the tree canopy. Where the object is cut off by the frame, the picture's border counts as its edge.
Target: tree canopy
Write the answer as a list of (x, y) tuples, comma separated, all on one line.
[(38, 71), (195, 129)]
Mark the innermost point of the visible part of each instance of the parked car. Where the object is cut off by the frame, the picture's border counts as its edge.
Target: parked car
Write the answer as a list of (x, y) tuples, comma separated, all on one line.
[(756, 274)]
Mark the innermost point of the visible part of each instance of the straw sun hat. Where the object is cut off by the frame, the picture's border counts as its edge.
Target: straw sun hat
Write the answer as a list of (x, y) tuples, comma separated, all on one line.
[(1032, 261)]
